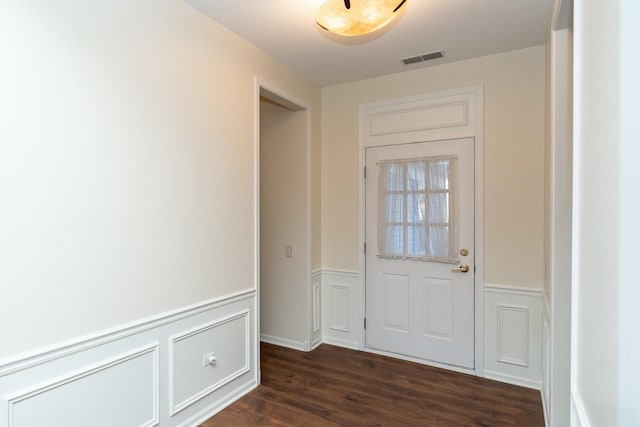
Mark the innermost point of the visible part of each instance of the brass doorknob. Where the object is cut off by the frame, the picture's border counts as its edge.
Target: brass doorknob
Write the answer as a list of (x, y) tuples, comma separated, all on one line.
[(462, 268)]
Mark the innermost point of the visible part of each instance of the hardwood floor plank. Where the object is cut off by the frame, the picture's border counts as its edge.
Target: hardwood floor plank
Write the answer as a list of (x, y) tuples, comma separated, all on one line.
[(333, 386)]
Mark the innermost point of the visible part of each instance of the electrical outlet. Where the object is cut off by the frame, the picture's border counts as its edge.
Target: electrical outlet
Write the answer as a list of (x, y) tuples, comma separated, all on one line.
[(208, 359), (288, 251)]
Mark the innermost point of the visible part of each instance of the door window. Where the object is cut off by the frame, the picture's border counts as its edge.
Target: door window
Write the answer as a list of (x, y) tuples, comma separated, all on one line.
[(416, 209)]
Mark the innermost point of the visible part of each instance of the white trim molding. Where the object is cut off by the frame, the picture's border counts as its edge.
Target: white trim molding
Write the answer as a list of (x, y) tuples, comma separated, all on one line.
[(264, 88), (284, 342), (509, 314), (82, 379), (579, 416), (152, 370), (207, 337), (451, 114), (513, 335), (47, 354), (339, 293)]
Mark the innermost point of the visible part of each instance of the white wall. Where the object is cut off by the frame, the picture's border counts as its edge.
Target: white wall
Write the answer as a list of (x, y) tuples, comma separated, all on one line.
[(126, 163), (284, 213), (558, 188), (597, 207), (514, 135), (628, 230), (605, 350)]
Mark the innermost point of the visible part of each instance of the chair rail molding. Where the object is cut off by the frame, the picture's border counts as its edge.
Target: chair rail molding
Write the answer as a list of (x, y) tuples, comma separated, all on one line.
[(149, 372)]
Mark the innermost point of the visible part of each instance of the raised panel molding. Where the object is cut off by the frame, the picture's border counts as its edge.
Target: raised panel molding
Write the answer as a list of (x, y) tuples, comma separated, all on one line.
[(429, 117), (137, 397), (339, 310), (126, 375), (69, 348), (513, 335), (438, 294), (524, 369), (438, 115), (339, 303), (215, 338)]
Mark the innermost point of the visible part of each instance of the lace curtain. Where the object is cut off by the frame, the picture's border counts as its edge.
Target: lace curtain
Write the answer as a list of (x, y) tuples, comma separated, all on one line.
[(416, 209)]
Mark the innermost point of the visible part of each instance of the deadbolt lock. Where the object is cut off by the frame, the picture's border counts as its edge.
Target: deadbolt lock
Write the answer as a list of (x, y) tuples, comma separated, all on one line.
[(464, 252)]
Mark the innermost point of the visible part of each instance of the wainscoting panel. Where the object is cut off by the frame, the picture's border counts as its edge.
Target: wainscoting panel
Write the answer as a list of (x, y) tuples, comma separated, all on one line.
[(513, 335), (223, 358), (339, 307), (316, 311), (444, 115), (88, 394), (146, 373), (340, 310)]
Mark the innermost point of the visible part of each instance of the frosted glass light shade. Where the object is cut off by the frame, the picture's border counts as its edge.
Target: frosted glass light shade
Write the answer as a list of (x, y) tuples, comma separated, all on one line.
[(362, 17)]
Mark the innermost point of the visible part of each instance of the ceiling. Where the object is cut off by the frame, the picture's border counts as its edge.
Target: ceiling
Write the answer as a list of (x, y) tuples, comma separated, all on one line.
[(464, 29)]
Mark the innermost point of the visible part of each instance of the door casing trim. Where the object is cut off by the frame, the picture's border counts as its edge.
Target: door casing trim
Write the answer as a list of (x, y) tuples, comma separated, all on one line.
[(462, 116)]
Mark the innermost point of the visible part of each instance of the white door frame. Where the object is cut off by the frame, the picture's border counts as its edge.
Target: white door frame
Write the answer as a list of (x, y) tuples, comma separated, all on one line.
[(276, 94), (450, 114)]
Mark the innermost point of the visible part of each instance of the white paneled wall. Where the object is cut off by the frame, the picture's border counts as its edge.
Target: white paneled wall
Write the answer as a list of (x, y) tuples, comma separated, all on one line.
[(341, 318), (156, 371), (512, 327), (316, 309), (513, 335)]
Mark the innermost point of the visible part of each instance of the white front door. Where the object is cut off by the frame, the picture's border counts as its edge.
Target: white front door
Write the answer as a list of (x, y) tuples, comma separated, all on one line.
[(419, 239)]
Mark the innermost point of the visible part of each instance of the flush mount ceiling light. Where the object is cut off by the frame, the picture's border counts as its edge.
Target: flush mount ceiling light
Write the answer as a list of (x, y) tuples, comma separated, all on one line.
[(357, 17)]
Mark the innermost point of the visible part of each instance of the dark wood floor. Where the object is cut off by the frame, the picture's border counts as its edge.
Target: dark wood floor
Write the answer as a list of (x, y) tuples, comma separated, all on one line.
[(332, 386)]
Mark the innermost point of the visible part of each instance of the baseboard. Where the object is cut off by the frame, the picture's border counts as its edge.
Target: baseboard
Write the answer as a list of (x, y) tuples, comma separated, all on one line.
[(579, 414), (512, 379), (219, 405), (156, 370), (316, 343), (353, 345), (284, 342), (545, 408)]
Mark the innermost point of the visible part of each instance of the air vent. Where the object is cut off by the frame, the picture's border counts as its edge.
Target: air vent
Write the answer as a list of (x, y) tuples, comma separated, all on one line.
[(422, 58)]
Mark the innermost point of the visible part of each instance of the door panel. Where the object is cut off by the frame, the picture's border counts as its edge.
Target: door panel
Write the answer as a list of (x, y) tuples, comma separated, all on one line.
[(438, 303), (396, 302), (416, 307)]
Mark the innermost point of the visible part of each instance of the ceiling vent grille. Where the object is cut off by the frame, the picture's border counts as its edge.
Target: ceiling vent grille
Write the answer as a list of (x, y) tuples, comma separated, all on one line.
[(422, 58)]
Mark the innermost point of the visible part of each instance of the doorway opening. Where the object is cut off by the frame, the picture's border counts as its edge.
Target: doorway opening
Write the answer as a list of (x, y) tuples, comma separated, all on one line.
[(283, 220)]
